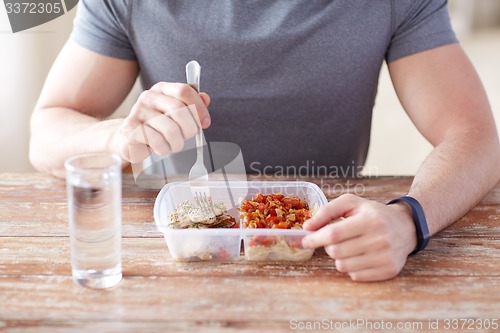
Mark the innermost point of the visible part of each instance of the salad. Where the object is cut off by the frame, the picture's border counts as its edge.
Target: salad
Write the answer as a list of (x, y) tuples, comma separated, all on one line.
[(275, 211)]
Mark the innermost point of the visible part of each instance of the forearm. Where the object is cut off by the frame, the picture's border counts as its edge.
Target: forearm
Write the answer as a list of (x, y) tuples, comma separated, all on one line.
[(57, 133), (460, 171)]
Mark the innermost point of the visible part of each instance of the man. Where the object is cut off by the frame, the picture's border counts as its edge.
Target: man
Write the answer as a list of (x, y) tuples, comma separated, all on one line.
[(290, 82)]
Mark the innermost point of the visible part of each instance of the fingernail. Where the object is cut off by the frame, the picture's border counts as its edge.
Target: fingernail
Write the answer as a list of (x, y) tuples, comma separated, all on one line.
[(206, 122)]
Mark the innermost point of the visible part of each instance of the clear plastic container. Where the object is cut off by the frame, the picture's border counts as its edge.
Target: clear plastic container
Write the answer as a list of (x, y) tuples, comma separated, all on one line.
[(198, 244), (224, 244), (281, 244), (275, 245)]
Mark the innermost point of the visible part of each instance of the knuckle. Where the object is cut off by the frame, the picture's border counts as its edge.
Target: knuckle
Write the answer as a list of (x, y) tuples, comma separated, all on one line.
[(355, 276), (175, 138), (348, 197), (340, 265), (143, 97), (162, 150), (155, 142), (376, 218), (390, 264), (382, 242), (385, 261), (158, 144), (392, 270), (189, 132), (329, 251), (175, 109), (183, 90), (158, 85), (176, 131), (333, 236), (176, 145), (335, 251)]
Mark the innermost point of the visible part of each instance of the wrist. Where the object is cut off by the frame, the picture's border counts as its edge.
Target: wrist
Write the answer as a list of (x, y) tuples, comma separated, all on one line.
[(405, 219), (114, 143), (419, 221)]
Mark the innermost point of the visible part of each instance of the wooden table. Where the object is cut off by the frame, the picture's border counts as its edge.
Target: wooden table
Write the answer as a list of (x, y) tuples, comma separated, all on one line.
[(457, 277)]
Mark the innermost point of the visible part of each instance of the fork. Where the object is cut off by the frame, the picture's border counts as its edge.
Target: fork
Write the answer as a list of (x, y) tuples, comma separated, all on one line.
[(206, 206), (198, 175)]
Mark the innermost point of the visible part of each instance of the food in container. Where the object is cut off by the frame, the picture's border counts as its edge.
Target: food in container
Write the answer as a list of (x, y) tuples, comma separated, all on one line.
[(198, 243), (275, 211), (188, 244), (279, 247), (187, 215)]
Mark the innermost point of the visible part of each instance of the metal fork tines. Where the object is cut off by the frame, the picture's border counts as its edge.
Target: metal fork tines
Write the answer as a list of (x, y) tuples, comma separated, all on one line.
[(206, 206)]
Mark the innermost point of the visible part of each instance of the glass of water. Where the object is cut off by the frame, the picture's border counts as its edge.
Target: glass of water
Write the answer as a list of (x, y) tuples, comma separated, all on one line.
[(94, 207)]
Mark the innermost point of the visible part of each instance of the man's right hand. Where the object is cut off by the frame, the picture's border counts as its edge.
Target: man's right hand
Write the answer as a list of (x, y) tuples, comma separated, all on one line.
[(82, 91), (161, 120)]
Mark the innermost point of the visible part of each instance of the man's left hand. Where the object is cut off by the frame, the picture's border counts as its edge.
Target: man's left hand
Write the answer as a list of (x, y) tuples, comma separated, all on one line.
[(368, 240)]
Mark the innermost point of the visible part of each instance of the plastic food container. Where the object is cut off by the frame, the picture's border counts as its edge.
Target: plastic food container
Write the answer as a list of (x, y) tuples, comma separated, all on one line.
[(224, 244), (198, 244)]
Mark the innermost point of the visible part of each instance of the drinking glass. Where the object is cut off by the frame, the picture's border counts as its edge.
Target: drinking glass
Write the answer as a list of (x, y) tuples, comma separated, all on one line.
[(94, 209)]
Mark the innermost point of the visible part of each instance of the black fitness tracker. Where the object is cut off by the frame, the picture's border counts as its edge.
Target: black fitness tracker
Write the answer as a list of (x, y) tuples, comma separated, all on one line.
[(423, 235)]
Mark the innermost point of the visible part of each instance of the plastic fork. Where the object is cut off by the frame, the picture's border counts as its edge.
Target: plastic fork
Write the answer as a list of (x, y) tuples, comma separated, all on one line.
[(198, 175)]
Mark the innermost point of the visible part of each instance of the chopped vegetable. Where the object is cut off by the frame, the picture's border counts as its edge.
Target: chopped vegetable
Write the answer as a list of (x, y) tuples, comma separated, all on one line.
[(274, 211)]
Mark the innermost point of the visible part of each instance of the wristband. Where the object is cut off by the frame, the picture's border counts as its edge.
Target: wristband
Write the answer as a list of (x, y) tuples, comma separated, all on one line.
[(423, 235)]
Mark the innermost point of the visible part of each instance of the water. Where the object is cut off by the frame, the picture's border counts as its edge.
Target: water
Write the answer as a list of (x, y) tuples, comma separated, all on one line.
[(95, 232)]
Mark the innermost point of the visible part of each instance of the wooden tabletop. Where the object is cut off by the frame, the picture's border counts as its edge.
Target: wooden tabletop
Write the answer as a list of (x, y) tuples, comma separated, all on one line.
[(454, 283)]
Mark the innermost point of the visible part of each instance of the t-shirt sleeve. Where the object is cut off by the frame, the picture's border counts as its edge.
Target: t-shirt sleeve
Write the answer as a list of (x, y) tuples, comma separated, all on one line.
[(419, 25), (102, 26)]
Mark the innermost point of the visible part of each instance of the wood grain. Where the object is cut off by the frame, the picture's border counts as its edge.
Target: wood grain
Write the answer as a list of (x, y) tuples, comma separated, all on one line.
[(213, 299), (23, 256), (458, 276)]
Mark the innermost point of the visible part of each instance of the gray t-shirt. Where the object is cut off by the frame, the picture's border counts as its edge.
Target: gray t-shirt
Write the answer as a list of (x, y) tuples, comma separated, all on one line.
[(293, 83)]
